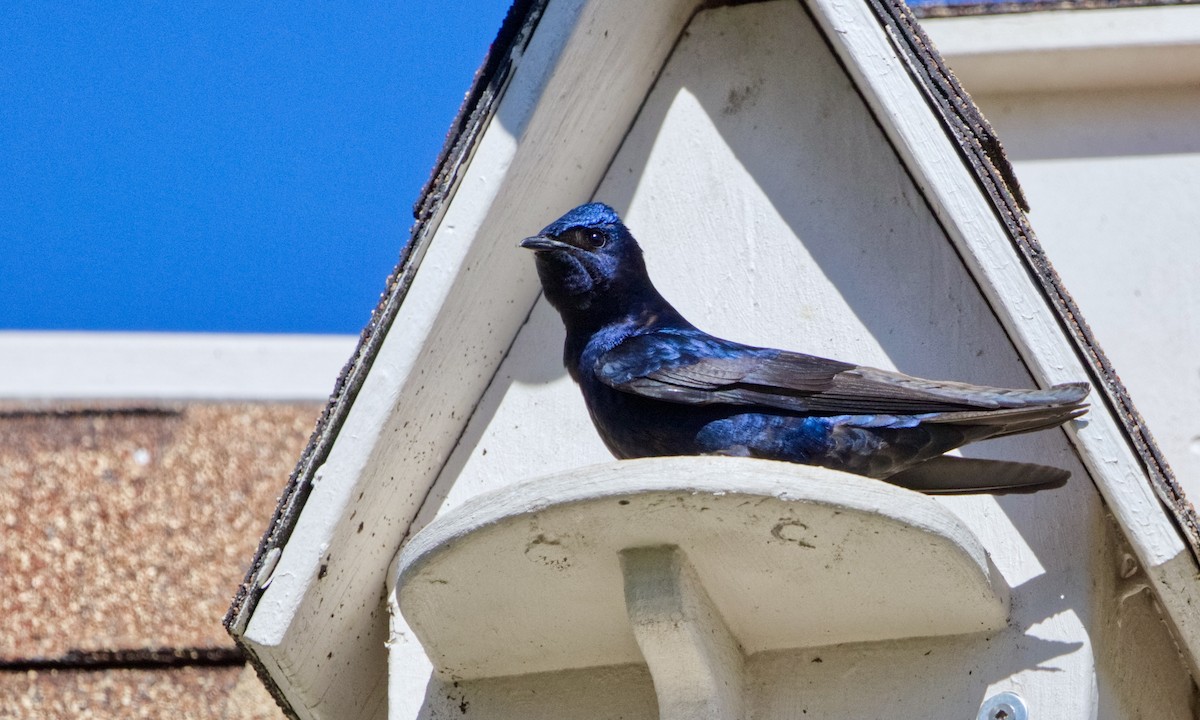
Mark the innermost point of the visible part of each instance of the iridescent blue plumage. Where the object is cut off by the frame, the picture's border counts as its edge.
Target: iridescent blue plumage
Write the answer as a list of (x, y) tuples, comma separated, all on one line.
[(656, 385)]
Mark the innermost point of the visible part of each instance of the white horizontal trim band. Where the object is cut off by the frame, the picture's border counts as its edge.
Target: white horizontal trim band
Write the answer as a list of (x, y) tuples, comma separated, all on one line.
[(98, 365), (1053, 50)]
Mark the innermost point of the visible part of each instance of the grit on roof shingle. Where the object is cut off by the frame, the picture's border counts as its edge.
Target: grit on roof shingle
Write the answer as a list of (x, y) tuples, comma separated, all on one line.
[(229, 693), (129, 528)]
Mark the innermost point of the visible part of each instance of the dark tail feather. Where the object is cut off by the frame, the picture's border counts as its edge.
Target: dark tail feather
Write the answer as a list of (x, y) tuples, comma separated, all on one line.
[(950, 474), (1011, 421), (1034, 424)]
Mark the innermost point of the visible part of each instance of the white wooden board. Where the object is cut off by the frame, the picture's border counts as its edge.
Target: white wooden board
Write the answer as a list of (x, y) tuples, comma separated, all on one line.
[(527, 578)]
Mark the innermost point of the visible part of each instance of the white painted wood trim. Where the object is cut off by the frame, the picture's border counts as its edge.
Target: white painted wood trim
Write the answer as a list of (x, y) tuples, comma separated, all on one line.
[(971, 223), (1135, 47), (549, 140), (1110, 29), (170, 366), (276, 630)]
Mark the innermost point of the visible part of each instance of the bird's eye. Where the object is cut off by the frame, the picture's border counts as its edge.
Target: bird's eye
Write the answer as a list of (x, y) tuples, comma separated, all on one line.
[(591, 239), (585, 238)]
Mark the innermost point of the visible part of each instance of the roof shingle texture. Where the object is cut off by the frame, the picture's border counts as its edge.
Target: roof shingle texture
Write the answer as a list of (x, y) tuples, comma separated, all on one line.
[(126, 529), (228, 693)]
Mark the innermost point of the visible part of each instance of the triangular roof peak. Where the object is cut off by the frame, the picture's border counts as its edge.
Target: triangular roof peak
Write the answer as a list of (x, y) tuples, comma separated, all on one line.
[(819, 153)]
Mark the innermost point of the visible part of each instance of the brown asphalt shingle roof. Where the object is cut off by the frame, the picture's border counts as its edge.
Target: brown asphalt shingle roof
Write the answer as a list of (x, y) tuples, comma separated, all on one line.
[(124, 531), (228, 693)]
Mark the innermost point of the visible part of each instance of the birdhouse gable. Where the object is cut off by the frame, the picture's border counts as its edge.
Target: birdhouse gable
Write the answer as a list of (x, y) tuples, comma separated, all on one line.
[(807, 177)]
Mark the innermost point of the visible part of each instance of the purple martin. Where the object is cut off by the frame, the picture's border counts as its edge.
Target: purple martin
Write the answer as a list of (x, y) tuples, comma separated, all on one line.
[(656, 385)]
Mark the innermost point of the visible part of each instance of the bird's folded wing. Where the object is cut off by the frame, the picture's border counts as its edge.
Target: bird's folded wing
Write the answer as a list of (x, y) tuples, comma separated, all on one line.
[(705, 370)]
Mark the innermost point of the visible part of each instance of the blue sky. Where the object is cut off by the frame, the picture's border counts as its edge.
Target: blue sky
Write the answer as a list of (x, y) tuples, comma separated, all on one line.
[(219, 167)]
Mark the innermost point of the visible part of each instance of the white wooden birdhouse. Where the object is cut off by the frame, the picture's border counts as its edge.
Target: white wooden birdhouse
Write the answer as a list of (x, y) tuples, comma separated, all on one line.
[(457, 541)]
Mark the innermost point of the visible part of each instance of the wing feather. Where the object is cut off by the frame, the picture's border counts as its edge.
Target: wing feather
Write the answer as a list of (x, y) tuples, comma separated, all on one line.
[(703, 370)]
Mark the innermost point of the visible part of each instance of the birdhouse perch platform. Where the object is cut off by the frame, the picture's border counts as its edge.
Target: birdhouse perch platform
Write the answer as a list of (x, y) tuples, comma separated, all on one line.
[(688, 563)]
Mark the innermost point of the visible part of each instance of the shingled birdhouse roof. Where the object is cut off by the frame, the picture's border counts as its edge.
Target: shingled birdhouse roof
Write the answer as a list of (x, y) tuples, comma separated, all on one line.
[(801, 175)]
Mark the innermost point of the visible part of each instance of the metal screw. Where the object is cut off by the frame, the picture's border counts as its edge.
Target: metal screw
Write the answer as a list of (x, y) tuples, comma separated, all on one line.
[(1005, 706)]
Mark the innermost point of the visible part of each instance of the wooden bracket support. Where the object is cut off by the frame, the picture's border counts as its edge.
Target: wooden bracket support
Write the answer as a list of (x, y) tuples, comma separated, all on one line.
[(693, 658)]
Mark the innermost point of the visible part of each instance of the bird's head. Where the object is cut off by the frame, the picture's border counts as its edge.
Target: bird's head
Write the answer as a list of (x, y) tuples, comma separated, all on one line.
[(588, 258)]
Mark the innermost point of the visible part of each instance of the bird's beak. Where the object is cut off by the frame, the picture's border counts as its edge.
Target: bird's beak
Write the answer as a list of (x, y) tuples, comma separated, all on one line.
[(541, 243)]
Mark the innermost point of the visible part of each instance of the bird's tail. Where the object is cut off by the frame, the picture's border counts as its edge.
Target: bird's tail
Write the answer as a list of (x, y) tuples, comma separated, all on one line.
[(1065, 394), (948, 474), (1042, 409)]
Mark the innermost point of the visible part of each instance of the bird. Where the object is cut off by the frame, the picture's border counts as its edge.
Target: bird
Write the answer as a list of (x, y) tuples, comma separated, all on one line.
[(656, 385)]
